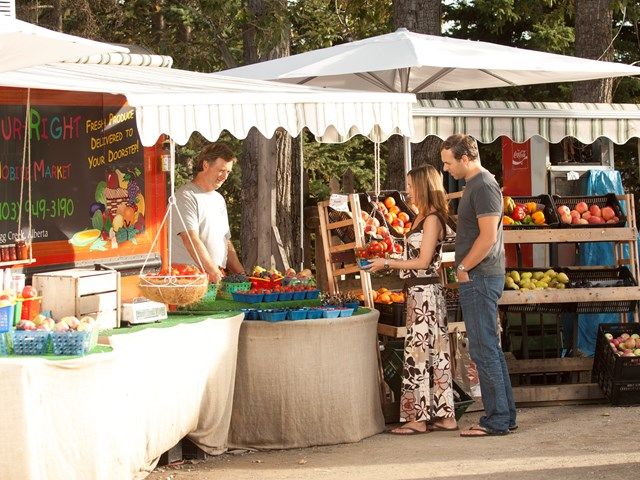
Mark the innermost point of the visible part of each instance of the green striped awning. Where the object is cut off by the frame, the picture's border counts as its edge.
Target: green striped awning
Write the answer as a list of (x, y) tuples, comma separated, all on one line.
[(553, 121)]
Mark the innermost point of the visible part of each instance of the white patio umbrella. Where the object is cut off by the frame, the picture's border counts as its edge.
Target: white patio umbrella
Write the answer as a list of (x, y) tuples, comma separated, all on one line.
[(405, 61), (23, 44)]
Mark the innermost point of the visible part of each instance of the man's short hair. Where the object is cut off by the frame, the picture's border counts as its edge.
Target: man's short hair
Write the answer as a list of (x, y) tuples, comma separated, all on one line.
[(212, 152), (461, 144)]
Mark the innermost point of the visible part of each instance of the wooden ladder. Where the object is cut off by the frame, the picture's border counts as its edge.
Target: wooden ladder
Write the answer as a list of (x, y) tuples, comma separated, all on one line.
[(342, 233)]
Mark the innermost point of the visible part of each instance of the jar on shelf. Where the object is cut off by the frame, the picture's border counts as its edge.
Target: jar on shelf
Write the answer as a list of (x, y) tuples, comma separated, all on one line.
[(22, 250), (4, 253), (12, 252)]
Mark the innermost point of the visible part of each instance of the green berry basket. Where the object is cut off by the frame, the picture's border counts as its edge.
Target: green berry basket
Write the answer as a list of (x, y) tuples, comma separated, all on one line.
[(228, 289)]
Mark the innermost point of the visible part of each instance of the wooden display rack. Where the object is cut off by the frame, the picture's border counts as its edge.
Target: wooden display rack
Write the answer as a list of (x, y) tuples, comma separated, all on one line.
[(339, 256), (580, 368)]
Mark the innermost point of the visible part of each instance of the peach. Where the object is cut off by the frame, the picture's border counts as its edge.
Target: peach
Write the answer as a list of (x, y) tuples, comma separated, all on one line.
[(586, 215), (595, 219), (581, 207), (594, 210), (582, 221), (575, 214), (607, 213), (564, 209), (565, 218)]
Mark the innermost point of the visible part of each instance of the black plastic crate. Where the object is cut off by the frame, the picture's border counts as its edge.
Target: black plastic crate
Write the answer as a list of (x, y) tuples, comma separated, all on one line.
[(622, 394), (551, 216), (391, 313), (400, 202), (400, 199), (608, 200), (535, 307), (589, 277), (607, 362), (598, 278)]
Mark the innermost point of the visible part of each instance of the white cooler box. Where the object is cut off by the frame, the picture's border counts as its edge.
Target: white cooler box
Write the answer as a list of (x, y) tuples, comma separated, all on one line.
[(81, 292)]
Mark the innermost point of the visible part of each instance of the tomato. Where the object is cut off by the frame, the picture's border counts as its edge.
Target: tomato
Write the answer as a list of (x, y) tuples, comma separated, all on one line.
[(29, 292)]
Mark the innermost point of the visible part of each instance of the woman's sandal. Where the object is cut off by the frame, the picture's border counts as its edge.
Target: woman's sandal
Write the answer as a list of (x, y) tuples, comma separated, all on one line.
[(408, 430), (434, 427)]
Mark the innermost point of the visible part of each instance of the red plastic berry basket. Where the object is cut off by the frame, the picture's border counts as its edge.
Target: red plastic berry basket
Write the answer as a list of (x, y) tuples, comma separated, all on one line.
[(258, 282)]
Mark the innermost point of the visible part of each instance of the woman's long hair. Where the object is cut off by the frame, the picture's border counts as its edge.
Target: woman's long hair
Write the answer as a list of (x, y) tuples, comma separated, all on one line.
[(429, 191)]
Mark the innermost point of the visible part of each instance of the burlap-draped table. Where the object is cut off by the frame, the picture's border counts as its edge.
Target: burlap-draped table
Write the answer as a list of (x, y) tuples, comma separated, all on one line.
[(111, 415), (306, 383)]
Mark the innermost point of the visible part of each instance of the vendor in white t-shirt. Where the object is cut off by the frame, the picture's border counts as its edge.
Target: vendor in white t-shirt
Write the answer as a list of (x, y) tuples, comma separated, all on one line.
[(204, 212)]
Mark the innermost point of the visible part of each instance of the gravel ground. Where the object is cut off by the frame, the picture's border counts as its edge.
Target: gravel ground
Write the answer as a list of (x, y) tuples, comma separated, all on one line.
[(560, 442)]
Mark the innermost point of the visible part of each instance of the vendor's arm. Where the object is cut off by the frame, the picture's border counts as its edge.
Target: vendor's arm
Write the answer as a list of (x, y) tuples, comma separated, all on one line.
[(488, 225), (432, 230), (233, 262), (193, 244)]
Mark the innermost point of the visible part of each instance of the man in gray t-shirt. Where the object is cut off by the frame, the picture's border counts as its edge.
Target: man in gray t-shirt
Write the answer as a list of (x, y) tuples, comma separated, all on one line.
[(480, 270), (482, 198)]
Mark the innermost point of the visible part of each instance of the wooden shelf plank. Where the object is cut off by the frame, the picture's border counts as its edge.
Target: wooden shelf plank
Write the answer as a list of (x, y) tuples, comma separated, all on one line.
[(343, 247), (18, 262), (341, 223), (391, 331), (401, 332), (573, 295), (346, 271), (549, 365), (557, 393), (569, 235)]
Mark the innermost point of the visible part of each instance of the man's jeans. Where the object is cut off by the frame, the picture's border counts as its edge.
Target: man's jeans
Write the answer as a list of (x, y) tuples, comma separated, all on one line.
[(479, 302)]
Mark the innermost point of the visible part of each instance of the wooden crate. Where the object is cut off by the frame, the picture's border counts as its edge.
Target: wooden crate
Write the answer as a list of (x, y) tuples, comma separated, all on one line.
[(81, 292)]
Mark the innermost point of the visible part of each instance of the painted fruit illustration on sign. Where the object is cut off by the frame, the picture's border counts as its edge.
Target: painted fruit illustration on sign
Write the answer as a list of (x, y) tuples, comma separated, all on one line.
[(118, 212)]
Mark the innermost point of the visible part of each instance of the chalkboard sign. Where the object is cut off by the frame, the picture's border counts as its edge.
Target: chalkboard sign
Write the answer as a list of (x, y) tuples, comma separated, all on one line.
[(86, 175)]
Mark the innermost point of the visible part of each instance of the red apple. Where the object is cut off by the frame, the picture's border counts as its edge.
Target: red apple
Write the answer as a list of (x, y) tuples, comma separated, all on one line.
[(594, 210), (594, 219), (563, 209), (581, 207), (586, 215), (574, 214), (582, 221), (607, 213)]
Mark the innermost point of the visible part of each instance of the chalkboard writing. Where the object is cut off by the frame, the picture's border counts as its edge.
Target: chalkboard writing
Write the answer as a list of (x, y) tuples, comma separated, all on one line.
[(86, 175)]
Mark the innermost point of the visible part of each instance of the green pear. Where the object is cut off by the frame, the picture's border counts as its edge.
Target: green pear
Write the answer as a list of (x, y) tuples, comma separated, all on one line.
[(525, 275), (562, 278), (515, 275), (537, 275)]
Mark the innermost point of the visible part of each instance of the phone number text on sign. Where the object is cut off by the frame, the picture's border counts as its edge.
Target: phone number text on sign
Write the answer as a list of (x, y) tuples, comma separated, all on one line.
[(61, 207)]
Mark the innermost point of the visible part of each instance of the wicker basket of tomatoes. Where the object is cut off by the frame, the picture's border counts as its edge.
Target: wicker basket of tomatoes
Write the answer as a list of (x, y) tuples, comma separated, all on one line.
[(179, 285)]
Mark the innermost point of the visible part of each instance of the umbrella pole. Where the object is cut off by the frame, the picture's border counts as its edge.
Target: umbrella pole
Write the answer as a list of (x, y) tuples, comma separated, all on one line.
[(407, 158), (301, 190)]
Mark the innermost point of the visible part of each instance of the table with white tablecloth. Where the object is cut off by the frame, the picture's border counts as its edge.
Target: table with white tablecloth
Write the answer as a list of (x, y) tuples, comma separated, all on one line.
[(307, 382), (111, 415)]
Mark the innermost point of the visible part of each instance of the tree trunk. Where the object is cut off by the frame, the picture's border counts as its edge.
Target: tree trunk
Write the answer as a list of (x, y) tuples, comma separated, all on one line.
[(266, 165), (593, 30), (420, 16)]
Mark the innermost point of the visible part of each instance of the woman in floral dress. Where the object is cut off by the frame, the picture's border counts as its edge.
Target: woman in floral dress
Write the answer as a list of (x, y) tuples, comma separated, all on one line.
[(426, 403)]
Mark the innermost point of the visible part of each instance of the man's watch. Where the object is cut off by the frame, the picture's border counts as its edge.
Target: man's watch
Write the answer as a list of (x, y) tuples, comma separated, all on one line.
[(462, 268)]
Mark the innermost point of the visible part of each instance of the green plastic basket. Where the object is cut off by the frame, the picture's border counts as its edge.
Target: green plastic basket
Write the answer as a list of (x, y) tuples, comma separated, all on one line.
[(227, 289)]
